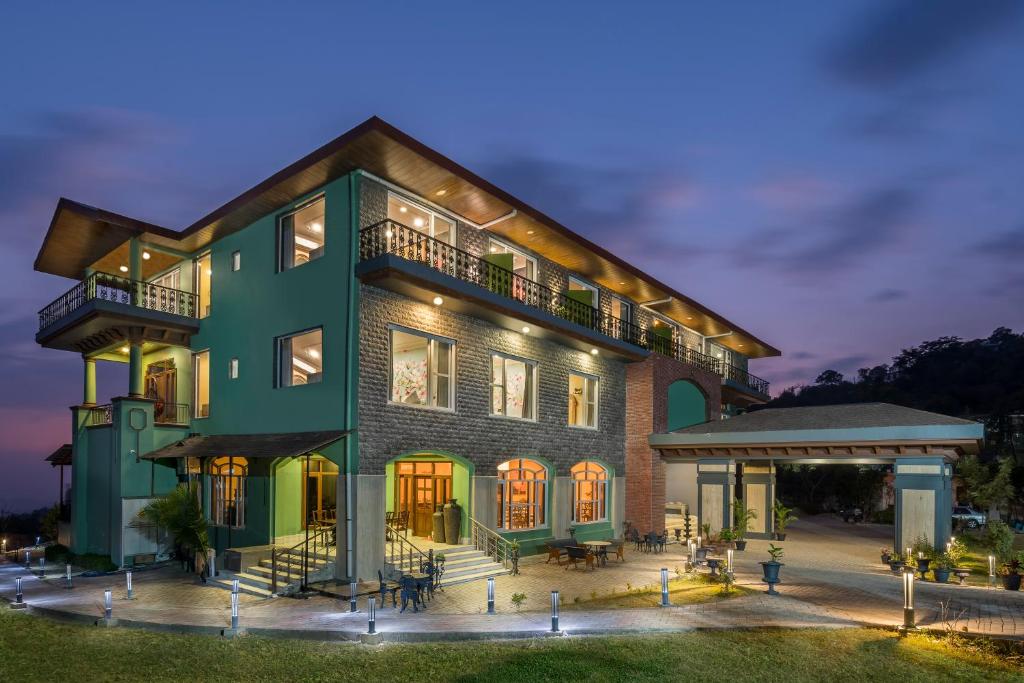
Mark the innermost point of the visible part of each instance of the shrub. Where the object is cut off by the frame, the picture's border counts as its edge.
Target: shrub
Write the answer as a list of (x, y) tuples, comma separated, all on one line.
[(999, 539), (518, 599), (886, 516), (923, 547), (56, 553)]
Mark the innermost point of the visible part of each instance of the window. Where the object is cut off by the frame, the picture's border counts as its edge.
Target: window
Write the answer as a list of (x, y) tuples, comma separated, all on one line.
[(301, 235), (414, 216), (522, 265), (522, 488), (233, 368), (300, 358), (513, 387), (582, 292), (589, 492), (170, 279), (421, 370), (621, 309), (236, 261), (202, 271), (201, 383), (227, 500), (582, 401)]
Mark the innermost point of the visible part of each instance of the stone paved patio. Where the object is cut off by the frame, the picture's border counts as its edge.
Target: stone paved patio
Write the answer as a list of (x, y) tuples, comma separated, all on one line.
[(832, 577)]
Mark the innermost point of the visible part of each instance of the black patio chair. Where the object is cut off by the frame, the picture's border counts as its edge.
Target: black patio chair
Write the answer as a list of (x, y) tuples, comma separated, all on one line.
[(410, 591), (651, 541), (634, 537), (388, 587), (662, 541), (576, 555)]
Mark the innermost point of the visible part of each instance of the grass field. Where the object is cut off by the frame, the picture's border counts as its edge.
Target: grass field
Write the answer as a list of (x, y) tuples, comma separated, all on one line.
[(35, 649)]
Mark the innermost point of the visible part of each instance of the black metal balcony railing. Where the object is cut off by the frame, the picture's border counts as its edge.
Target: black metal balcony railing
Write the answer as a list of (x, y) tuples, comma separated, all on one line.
[(107, 287), (390, 237)]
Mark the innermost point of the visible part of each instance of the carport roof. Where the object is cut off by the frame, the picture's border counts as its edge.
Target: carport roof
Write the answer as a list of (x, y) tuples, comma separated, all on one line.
[(880, 429)]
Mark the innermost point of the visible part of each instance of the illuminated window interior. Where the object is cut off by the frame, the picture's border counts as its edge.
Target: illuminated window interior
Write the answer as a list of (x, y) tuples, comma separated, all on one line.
[(522, 488), (589, 492), (302, 235), (227, 499), (300, 358), (582, 401), (201, 380)]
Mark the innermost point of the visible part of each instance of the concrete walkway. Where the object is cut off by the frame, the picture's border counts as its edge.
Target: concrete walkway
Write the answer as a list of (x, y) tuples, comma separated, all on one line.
[(833, 579)]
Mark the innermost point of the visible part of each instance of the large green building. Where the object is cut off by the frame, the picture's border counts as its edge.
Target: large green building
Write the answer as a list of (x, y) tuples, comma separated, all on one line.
[(362, 338)]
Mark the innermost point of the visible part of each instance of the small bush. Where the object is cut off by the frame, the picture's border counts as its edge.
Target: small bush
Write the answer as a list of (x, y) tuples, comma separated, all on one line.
[(56, 553), (886, 516), (93, 563), (999, 539), (518, 599)]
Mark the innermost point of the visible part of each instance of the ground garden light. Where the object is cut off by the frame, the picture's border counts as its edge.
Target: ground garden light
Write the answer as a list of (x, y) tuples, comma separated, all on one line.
[(992, 571), (554, 611), (371, 616), (128, 584), (108, 604), (908, 601), (490, 595), (664, 587)]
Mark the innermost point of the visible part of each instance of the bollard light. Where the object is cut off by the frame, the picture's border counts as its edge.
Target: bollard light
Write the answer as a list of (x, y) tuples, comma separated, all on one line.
[(728, 561), (693, 554), (371, 615), (234, 611), (554, 611), (38, 538), (910, 554), (67, 576), (28, 560), (108, 603), (992, 571), (3, 546), (490, 595), (17, 590), (128, 584), (664, 587), (908, 601), (352, 587), (698, 541), (949, 546), (42, 569), (212, 569)]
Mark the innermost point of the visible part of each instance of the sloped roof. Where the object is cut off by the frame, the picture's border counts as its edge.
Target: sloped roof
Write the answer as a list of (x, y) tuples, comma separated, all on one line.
[(61, 456), (247, 445)]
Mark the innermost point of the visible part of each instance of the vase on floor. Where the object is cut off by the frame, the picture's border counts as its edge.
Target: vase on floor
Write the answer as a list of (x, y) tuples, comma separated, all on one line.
[(452, 522)]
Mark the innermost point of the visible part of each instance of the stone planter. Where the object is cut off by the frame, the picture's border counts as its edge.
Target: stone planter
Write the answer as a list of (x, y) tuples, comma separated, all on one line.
[(779, 537), (1011, 582)]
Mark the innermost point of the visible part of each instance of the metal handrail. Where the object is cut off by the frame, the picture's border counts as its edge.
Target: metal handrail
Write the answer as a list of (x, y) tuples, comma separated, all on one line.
[(405, 546), (101, 415), (489, 542), (109, 287), (391, 237), (171, 413), (318, 540)]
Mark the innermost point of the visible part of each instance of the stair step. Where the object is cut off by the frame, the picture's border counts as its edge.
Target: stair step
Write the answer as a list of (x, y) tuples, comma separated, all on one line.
[(491, 567), (225, 581), (477, 576)]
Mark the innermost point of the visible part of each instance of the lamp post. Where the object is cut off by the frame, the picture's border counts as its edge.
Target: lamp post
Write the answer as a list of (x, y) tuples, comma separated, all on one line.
[(554, 611), (490, 595), (352, 588), (28, 560), (108, 604), (992, 571), (67, 576), (908, 602), (42, 568), (18, 595), (128, 584), (371, 615), (664, 587), (728, 561)]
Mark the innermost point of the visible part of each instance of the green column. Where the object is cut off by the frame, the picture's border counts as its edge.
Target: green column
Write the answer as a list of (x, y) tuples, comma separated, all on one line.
[(135, 369), (89, 389)]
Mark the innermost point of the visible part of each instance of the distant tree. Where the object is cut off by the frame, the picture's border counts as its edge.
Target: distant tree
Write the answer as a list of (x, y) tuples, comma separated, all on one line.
[(829, 378), (988, 486)]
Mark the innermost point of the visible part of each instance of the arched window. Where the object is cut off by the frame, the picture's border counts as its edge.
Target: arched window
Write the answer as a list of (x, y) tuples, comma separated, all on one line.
[(589, 492), (227, 497), (522, 489)]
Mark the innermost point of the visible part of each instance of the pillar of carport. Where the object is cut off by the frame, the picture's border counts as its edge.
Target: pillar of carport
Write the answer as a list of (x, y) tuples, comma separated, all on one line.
[(924, 501), (759, 495), (715, 484)]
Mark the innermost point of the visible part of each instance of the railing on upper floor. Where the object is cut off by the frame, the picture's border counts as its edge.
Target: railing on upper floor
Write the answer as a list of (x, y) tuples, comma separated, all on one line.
[(391, 237), (107, 287), (101, 415), (171, 413)]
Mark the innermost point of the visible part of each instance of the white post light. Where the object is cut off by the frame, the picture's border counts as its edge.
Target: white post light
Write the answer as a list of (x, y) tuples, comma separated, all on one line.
[(42, 569), (67, 576), (18, 596), (28, 560), (234, 611), (992, 571), (108, 603), (693, 554), (128, 584), (664, 587), (235, 587), (352, 587), (554, 611), (728, 561), (371, 615), (38, 539), (3, 546), (908, 601), (490, 595), (909, 555)]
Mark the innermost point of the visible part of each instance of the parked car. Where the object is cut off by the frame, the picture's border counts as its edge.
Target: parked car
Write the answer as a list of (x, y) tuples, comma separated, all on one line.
[(970, 517), (852, 515)]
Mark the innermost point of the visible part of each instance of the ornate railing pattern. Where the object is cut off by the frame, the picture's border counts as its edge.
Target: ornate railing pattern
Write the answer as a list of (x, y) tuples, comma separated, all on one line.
[(107, 287), (101, 415), (489, 543), (391, 237)]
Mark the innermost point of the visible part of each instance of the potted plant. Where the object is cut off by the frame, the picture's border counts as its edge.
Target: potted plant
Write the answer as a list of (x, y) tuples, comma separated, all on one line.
[(727, 538), (1010, 572), (770, 569), (705, 530), (742, 516), (923, 552), (943, 566), (886, 555), (180, 514), (896, 563), (783, 518)]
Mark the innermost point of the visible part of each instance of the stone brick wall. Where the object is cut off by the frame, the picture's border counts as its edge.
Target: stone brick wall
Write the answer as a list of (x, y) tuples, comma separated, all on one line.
[(646, 413), (388, 430)]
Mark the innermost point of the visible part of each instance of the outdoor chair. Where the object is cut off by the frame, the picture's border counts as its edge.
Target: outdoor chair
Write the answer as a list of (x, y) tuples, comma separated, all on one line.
[(403, 522), (388, 587), (662, 541), (410, 591), (634, 537), (651, 541), (576, 555), (556, 548), (428, 569), (619, 545)]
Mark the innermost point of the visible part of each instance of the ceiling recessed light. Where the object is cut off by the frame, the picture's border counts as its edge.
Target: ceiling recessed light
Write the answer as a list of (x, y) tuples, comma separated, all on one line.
[(622, 283), (593, 352), (526, 329), (124, 349), (315, 226), (438, 301), (313, 353), (402, 209), (123, 269), (529, 232), (145, 255), (739, 345), (689, 317), (441, 193), (418, 222)]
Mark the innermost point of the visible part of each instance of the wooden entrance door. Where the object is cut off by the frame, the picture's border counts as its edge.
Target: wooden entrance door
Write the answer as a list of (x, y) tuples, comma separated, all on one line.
[(420, 487), (423, 488)]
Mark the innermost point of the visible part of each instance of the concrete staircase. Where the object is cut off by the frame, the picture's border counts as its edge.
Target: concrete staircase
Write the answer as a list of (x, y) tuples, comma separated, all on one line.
[(258, 579), (462, 564)]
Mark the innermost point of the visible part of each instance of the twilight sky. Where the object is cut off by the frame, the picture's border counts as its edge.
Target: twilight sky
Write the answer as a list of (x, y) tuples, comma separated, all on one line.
[(840, 178)]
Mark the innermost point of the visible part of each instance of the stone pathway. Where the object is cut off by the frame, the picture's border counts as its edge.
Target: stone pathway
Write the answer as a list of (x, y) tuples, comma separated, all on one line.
[(833, 579)]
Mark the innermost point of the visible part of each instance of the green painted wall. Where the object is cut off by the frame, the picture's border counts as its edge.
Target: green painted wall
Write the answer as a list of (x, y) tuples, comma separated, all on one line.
[(287, 497), (462, 477), (686, 405)]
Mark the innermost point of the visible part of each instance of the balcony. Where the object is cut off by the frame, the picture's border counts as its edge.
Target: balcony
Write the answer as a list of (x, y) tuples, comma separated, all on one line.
[(99, 311), (176, 414), (405, 260)]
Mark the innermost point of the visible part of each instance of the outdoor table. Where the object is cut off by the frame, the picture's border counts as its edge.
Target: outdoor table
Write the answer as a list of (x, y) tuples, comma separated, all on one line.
[(422, 582), (598, 546)]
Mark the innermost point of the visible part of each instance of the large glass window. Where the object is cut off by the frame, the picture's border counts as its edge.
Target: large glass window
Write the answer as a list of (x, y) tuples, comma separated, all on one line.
[(583, 292), (300, 358), (589, 492), (421, 370), (301, 235), (202, 272), (522, 265), (522, 489), (201, 384), (583, 401), (417, 217), (622, 309), (513, 387), (227, 499)]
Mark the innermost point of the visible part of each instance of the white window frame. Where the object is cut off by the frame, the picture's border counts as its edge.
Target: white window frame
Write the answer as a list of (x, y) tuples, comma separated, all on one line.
[(195, 384), (597, 483), (532, 366), (540, 504), (279, 232), (171, 279), (515, 251), (623, 304), (573, 280), (596, 403), (432, 373), (434, 214)]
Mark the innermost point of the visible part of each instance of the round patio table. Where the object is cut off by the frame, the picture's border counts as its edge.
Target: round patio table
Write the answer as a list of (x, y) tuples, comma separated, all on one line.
[(597, 546)]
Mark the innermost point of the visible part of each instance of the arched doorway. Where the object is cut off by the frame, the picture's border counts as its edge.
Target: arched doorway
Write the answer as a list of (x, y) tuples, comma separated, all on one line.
[(420, 483)]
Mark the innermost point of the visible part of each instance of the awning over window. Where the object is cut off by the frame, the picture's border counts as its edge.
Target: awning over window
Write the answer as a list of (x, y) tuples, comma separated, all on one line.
[(247, 445)]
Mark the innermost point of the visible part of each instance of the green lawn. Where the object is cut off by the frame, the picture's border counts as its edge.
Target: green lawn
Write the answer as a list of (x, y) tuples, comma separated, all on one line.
[(35, 649), (976, 558), (683, 590)]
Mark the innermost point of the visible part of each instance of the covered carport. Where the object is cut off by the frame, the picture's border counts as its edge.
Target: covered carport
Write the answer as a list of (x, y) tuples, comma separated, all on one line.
[(744, 451)]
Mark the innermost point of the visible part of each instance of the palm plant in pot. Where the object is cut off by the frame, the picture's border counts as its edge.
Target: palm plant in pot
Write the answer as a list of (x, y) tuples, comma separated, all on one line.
[(943, 566), (180, 514), (770, 569), (742, 516), (783, 518), (1010, 572)]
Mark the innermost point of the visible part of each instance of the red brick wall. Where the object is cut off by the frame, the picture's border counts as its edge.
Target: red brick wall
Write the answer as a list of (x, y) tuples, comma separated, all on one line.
[(646, 413)]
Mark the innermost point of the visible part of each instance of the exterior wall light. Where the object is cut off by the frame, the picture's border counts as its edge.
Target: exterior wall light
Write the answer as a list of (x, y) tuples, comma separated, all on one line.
[(371, 614), (526, 329), (438, 301), (664, 587), (490, 595), (908, 601), (554, 611), (593, 352)]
